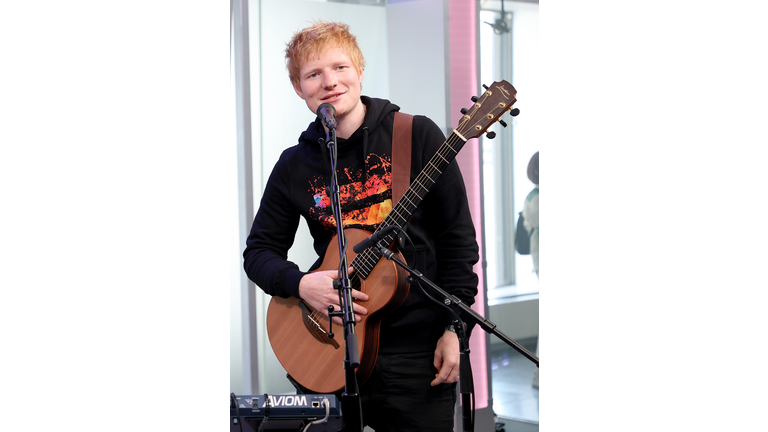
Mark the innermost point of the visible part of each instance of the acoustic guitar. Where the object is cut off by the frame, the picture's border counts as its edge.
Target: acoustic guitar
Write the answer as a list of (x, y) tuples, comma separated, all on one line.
[(299, 334)]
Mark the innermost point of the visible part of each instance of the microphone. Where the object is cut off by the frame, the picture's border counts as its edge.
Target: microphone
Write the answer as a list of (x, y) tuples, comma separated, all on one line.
[(327, 113), (373, 238)]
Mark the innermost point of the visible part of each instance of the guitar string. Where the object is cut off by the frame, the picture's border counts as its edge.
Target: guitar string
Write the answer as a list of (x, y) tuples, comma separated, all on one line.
[(442, 153), (368, 259)]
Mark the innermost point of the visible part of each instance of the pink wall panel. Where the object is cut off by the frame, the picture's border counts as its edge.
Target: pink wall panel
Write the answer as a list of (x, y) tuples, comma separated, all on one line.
[(464, 85)]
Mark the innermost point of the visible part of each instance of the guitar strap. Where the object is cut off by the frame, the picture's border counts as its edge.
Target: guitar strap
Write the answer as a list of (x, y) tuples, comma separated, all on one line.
[(402, 130)]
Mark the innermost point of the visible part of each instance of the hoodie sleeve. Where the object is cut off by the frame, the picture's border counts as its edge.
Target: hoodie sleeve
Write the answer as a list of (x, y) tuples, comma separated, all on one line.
[(272, 235)]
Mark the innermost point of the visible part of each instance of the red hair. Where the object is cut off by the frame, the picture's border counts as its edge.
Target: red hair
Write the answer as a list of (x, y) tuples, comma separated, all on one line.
[(312, 40)]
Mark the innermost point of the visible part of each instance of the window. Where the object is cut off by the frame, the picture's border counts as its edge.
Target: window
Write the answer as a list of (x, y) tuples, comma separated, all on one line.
[(508, 50)]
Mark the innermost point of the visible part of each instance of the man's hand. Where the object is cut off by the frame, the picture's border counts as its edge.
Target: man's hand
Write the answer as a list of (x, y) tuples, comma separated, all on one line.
[(317, 289), (447, 359)]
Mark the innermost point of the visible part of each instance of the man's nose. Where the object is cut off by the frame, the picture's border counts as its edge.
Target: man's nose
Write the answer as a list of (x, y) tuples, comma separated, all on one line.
[(329, 80)]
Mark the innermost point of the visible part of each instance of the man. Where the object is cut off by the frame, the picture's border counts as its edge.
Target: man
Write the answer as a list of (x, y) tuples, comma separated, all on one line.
[(413, 384)]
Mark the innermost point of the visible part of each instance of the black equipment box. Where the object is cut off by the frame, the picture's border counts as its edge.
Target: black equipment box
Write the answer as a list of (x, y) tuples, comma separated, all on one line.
[(252, 413)]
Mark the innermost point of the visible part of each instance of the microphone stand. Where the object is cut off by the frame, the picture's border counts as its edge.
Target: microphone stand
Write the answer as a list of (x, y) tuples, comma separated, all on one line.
[(350, 400), (457, 306)]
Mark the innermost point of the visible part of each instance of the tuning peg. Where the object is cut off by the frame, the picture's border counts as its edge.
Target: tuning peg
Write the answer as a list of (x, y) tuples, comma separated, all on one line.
[(501, 122), (464, 111), (485, 86), (491, 135), (474, 98), (514, 112)]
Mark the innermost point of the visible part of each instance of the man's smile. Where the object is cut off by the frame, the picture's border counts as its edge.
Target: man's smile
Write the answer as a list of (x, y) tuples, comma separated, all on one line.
[(332, 96)]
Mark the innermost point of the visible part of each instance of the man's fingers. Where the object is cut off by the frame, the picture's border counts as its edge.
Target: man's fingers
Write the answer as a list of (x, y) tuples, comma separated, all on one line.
[(445, 375)]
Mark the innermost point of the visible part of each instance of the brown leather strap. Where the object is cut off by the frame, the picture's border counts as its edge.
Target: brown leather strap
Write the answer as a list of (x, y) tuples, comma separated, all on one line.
[(402, 130)]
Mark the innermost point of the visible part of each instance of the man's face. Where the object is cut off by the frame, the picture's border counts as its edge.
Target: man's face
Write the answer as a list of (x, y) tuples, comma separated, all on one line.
[(331, 78)]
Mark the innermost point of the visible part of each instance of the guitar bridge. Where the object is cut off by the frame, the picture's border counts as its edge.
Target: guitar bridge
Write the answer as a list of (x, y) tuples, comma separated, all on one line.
[(312, 323)]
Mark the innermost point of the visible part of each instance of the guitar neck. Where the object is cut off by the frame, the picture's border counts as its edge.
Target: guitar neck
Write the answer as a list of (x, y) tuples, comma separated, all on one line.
[(401, 213), (495, 101)]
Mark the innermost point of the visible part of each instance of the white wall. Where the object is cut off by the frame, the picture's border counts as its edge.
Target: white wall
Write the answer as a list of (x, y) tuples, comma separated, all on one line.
[(418, 67)]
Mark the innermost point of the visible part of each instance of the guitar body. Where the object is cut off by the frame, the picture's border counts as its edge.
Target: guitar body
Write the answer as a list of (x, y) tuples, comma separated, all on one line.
[(298, 334)]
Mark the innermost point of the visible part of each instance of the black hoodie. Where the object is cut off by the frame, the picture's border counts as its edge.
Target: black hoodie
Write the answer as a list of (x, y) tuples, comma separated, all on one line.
[(441, 227)]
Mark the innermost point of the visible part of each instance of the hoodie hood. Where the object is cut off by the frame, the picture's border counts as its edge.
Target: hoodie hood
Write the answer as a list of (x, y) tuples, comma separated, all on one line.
[(377, 113)]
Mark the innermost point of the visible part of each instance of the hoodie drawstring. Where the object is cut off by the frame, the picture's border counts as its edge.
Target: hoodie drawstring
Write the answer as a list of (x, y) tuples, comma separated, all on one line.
[(365, 154), (326, 158)]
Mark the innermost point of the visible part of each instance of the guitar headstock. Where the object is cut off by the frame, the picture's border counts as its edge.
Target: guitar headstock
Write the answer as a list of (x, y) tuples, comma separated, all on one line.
[(488, 108)]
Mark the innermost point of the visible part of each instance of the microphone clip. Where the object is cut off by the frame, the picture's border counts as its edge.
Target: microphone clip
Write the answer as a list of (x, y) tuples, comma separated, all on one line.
[(374, 238)]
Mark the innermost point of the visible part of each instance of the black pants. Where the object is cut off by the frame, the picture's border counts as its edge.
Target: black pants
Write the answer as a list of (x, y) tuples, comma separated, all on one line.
[(397, 396)]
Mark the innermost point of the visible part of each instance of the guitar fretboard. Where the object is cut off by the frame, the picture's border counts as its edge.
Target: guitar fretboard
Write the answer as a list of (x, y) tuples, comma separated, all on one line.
[(402, 211), (495, 101)]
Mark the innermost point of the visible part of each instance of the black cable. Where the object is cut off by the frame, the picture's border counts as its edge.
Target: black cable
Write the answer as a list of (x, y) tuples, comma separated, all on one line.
[(413, 246), (412, 279), (266, 413), (233, 399), (473, 411)]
